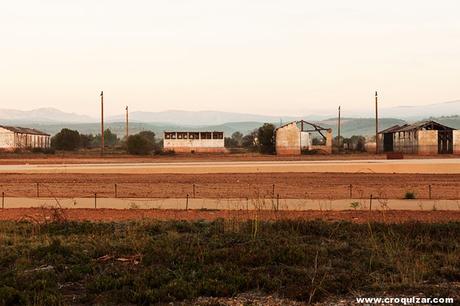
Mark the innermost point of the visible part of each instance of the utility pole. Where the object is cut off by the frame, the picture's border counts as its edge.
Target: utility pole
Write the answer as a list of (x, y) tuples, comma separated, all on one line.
[(339, 142), (127, 122), (376, 124), (102, 123)]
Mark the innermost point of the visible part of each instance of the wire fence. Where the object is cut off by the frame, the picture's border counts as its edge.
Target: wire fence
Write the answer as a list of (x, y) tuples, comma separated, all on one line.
[(446, 191)]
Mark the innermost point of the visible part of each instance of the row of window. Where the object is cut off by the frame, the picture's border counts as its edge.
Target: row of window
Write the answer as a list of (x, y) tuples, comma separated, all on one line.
[(194, 135)]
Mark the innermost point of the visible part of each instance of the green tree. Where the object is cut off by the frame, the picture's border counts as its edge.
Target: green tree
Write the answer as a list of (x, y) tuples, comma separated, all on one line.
[(110, 139), (66, 139), (142, 143), (237, 138), (230, 142), (86, 141), (235, 141), (266, 139), (249, 141)]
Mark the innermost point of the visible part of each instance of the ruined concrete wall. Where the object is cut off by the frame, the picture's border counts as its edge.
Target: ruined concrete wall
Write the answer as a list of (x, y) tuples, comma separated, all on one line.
[(194, 145), (406, 142), (456, 141), (427, 142), (288, 140), (6, 139), (326, 148), (305, 141), (381, 144)]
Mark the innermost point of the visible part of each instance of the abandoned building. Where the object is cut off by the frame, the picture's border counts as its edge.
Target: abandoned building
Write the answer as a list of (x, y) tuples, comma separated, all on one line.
[(424, 138), (194, 142), (12, 138), (298, 136)]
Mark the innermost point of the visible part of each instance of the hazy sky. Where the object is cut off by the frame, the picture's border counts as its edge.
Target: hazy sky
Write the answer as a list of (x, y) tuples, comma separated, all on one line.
[(266, 56)]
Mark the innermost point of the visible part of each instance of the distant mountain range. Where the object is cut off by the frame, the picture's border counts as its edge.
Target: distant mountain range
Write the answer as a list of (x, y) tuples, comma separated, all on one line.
[(41, 115), (355, 123), (199, 118)]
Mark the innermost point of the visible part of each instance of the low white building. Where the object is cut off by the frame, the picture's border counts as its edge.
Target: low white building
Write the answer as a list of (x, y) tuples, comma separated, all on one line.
[(194, 142), (12, 138)]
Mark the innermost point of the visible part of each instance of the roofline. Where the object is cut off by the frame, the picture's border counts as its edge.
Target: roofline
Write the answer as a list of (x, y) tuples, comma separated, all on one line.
[(31, 131)]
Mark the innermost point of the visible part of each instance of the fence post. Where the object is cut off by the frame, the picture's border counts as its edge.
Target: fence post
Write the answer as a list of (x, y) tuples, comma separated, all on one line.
[(3, 200), (194, 194), (273, 191), (370, 203), (429, 191), (38, 190), (116, 191), (95, 200), (351, 191), (186, 203)]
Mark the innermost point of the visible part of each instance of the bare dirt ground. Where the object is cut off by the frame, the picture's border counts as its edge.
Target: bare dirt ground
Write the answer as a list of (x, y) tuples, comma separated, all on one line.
[(241, 185), (95, 158), (40, 215)]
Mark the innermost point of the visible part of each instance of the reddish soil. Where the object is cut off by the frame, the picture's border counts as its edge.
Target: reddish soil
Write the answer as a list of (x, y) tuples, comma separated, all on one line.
[(93, 157), (255, 185), (40, 215)]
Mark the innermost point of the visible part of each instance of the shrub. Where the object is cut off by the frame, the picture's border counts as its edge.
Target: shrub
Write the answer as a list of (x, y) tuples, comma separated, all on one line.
[(43, 150), (139, 145), (265, 136), (66, 139), (409, 195)]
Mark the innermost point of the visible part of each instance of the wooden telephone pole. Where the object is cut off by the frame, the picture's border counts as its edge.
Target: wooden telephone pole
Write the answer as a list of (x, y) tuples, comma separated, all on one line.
[(339, 142), (102, 123), (127, 123), (376, 124)]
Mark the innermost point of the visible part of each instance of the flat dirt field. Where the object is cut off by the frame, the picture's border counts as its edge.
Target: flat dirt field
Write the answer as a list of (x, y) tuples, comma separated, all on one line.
[(239, 185), (41, 215), (95, 158)]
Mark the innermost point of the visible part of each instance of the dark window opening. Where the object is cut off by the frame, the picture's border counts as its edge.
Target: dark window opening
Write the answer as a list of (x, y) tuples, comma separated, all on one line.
[(206, 135), (218, 135)]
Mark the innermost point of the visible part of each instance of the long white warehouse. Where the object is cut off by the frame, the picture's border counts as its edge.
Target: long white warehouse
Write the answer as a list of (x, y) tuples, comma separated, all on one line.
[(194, 142), (12, 138)]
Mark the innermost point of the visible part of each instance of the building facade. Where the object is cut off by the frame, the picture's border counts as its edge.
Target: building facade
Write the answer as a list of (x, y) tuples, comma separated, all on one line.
[(423, 138), (194, 142), (298, 136), (12, 138)]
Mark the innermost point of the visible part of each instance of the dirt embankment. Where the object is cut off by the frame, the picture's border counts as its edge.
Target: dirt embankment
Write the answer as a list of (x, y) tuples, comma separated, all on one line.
[(40, 215), (253, 185)]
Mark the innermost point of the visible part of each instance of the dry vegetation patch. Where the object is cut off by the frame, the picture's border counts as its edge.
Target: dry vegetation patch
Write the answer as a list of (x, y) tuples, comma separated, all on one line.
[(146, 262)]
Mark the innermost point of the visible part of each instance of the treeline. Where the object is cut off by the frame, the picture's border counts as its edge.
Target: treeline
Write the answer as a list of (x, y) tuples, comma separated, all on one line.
[(260, 140), (142, 143)]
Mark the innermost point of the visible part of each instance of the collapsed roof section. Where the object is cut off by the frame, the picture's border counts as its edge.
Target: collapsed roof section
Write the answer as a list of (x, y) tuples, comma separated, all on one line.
[(420, 125), (306, 126)]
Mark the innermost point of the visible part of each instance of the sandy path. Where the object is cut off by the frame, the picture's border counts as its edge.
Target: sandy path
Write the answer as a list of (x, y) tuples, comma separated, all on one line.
[(434, 166), (233, 204)]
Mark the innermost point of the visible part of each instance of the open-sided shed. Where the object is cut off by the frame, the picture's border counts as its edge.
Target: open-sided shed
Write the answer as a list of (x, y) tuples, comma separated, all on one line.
[(424, 137)]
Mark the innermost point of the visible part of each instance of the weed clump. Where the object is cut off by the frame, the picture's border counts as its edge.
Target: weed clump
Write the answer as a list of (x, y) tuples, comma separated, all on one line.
[(409, 195)]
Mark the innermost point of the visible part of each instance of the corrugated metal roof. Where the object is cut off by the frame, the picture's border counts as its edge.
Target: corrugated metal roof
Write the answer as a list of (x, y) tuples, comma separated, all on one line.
[(22, 130)]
